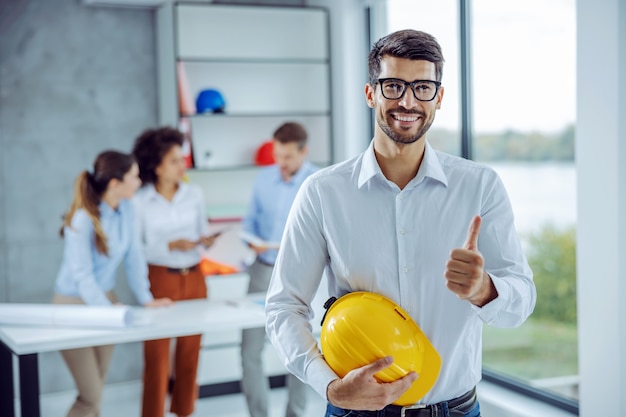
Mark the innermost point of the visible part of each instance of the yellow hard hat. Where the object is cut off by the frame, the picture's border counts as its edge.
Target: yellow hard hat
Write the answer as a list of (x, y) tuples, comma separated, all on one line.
[(361, 327)]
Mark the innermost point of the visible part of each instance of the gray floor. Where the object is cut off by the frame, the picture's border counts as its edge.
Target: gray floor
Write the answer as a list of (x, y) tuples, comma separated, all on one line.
[(123, 400)]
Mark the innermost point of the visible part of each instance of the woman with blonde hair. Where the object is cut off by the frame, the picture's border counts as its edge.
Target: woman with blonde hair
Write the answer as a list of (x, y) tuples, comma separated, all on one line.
[(99, 234)]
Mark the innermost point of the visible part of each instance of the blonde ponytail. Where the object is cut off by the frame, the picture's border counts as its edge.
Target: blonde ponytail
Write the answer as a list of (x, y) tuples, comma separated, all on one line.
[(89, 188), (86, 197)]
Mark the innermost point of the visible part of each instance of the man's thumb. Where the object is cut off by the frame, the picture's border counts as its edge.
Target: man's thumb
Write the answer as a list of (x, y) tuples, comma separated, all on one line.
[(471, 243), (379, 365)]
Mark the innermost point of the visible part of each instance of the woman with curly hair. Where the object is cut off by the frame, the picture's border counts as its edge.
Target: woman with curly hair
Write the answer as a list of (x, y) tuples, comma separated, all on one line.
[(172, 227)]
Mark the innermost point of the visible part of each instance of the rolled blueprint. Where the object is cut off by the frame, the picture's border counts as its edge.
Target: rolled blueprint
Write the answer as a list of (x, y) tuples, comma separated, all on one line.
[(68, 315)]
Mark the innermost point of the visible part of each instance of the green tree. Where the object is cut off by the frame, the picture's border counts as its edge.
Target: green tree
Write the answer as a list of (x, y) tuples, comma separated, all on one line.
[(552, 257), (512, 145)]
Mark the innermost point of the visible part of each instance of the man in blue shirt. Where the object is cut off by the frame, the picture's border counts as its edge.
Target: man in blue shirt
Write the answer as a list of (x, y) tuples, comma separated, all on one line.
[(273, 192)]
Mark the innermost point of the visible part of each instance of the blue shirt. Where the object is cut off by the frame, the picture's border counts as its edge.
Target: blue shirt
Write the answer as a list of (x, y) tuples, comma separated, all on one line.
[(366, 234), (88, 274), (271, 200)]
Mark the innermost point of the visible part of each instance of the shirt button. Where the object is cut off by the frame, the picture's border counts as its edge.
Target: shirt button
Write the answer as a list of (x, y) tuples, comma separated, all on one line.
[(401, 231), (406, 270)]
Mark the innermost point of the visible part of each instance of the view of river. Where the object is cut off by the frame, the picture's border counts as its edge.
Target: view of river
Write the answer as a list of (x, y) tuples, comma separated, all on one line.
[(540, 193)]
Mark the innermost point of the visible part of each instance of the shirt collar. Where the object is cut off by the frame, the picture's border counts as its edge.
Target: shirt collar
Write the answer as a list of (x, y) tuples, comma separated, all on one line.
[(152, 193), (106, 210), (430, 167), (298, 177)]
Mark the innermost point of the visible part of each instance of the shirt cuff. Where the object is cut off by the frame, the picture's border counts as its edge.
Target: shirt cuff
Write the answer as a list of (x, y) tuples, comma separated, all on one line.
[(490, 312), (319, 375), (145, 298)]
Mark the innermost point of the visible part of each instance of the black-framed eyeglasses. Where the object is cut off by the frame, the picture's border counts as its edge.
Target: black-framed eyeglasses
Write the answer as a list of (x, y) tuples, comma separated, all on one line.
[(394, 88)]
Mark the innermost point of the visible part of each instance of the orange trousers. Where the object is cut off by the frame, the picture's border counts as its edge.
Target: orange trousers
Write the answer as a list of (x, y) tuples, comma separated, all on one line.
[(157, 370)]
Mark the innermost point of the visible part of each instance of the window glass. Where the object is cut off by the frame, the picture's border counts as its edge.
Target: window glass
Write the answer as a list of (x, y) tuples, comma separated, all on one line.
[(523, 109), (440, 19), (524, 87)]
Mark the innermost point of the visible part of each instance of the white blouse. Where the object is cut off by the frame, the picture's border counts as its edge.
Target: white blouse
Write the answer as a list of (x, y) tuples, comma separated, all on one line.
[(160, 221)]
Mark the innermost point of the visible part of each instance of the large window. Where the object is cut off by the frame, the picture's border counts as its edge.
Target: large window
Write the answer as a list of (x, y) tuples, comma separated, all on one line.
[(439, 19), (523, 107)]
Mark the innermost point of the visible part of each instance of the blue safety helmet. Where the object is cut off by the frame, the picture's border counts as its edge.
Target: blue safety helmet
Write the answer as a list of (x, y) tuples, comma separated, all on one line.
[(210, 100)]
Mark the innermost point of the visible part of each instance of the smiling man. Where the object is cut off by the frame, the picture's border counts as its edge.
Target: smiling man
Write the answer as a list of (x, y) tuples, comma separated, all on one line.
[(431, 231)]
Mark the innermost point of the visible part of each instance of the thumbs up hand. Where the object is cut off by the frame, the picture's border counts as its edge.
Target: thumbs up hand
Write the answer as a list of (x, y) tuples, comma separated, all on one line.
[(465, 274)]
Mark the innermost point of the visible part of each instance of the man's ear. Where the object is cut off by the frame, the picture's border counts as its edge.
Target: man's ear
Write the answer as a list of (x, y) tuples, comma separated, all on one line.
[(369, 95), (439, 97)]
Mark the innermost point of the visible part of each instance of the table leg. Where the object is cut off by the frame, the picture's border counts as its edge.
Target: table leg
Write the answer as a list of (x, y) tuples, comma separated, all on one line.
[(29, 385), (7, 392)]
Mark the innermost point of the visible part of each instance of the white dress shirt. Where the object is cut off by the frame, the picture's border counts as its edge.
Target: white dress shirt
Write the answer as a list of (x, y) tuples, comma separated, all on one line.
[(160, 221), (352, 224)]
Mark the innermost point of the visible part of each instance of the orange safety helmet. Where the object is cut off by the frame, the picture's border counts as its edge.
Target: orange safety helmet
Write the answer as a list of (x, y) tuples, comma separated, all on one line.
[(265, 153), (362, 327)]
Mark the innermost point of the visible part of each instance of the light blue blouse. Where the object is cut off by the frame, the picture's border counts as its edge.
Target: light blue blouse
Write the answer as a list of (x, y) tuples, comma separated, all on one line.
[(88, 274)]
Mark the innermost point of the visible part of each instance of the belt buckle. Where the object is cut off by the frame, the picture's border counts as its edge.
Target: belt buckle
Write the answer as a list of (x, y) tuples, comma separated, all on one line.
[(184, 271), (412, 407)]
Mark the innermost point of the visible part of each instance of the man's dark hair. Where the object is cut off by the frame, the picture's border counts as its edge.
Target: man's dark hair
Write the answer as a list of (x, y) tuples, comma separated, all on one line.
[(291, 132), (409, 44)]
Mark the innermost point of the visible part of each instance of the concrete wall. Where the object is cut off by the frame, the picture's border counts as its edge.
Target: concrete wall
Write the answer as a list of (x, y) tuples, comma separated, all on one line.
[(74, 80)]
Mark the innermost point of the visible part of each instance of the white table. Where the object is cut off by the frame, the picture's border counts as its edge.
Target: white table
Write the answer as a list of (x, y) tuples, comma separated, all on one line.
[(181, 319)]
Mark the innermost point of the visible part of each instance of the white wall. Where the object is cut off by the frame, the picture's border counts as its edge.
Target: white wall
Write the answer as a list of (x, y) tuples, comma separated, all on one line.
[(348, 56), (351, 123), (601, 230), (74, 80)]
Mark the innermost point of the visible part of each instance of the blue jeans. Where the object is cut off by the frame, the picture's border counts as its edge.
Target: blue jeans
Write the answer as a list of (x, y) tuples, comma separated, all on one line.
[(332, 411)]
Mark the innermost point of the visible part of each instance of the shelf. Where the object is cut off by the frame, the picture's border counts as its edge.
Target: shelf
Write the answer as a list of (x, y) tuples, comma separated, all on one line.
[(242, 167), (227, 60), (223, 142), (232, 212), (262, 88), (320, 164), (252, 32), (281, 115), (273, 68)]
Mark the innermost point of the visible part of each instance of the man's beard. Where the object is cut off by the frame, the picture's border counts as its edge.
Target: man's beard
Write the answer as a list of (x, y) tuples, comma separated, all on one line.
[(400, 138)]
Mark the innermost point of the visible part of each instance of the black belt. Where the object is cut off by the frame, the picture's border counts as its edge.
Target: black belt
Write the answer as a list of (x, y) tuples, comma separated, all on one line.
[(458, 407), (182, 271)]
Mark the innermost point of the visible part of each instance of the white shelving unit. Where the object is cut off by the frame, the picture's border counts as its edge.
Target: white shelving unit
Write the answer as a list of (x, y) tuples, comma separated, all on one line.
[(271, 65)]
